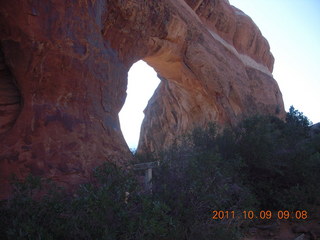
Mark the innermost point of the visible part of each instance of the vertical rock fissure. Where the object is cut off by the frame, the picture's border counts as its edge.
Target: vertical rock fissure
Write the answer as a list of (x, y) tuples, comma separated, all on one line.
[(10, 98)]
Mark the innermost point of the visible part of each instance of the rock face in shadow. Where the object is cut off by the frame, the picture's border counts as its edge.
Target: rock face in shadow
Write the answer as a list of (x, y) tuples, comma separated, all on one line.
[(63, 73), (10, 98), (72, 86)]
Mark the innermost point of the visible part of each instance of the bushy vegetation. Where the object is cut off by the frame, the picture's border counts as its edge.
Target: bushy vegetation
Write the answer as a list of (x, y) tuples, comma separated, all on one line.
[(263, 163), (281, 164), (101, 209)]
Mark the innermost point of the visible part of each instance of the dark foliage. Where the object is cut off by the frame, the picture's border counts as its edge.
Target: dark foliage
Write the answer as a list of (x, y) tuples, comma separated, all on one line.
[(263, 163), (281, 164)]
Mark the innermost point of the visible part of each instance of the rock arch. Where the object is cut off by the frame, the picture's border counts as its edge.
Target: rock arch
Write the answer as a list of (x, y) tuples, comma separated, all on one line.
[(70, 60)]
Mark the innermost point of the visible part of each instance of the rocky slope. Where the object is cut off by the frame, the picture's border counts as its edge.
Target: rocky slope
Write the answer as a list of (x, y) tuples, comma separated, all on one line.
[(64, 71)]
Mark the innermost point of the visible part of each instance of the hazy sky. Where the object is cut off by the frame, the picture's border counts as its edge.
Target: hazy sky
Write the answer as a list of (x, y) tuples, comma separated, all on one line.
[(292, 28), (142, 81)]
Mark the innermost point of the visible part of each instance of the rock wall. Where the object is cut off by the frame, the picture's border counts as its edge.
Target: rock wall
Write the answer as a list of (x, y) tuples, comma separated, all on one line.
[(67, 74), (220, 71), (64, 71)]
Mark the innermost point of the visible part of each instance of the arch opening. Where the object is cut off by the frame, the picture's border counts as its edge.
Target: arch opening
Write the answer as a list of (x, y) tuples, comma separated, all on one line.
[(142, 82)]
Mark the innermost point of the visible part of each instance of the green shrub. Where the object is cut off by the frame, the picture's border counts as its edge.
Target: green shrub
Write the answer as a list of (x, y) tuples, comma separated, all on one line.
[(280, 162), (193, 180), (263, 163), (27, 217)]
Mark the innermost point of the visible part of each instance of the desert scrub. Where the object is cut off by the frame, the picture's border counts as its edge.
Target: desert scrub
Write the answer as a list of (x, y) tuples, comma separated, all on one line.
[(263, 163)]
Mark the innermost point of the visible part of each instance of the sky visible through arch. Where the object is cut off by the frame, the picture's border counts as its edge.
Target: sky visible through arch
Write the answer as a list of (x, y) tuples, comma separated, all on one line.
[(292, 28), (142, 82)]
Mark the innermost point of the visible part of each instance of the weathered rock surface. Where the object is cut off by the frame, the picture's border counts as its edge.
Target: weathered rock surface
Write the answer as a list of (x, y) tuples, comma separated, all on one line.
[(219, 70), (64, 71), (235, 27), (72, 86)]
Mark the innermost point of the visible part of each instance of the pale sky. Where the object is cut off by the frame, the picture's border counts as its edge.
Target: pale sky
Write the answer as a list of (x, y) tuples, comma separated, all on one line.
[(292, 28)]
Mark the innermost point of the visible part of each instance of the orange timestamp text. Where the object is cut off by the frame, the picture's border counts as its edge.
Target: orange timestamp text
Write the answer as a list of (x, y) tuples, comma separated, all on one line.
[(263, 214)]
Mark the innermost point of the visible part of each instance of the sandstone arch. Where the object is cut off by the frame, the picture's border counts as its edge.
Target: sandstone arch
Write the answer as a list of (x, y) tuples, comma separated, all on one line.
[(70, 60)]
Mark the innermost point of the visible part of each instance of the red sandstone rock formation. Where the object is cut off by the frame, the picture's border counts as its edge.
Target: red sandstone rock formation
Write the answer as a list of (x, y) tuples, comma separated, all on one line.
[(72, 86), (219, 71), (63, 76)]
